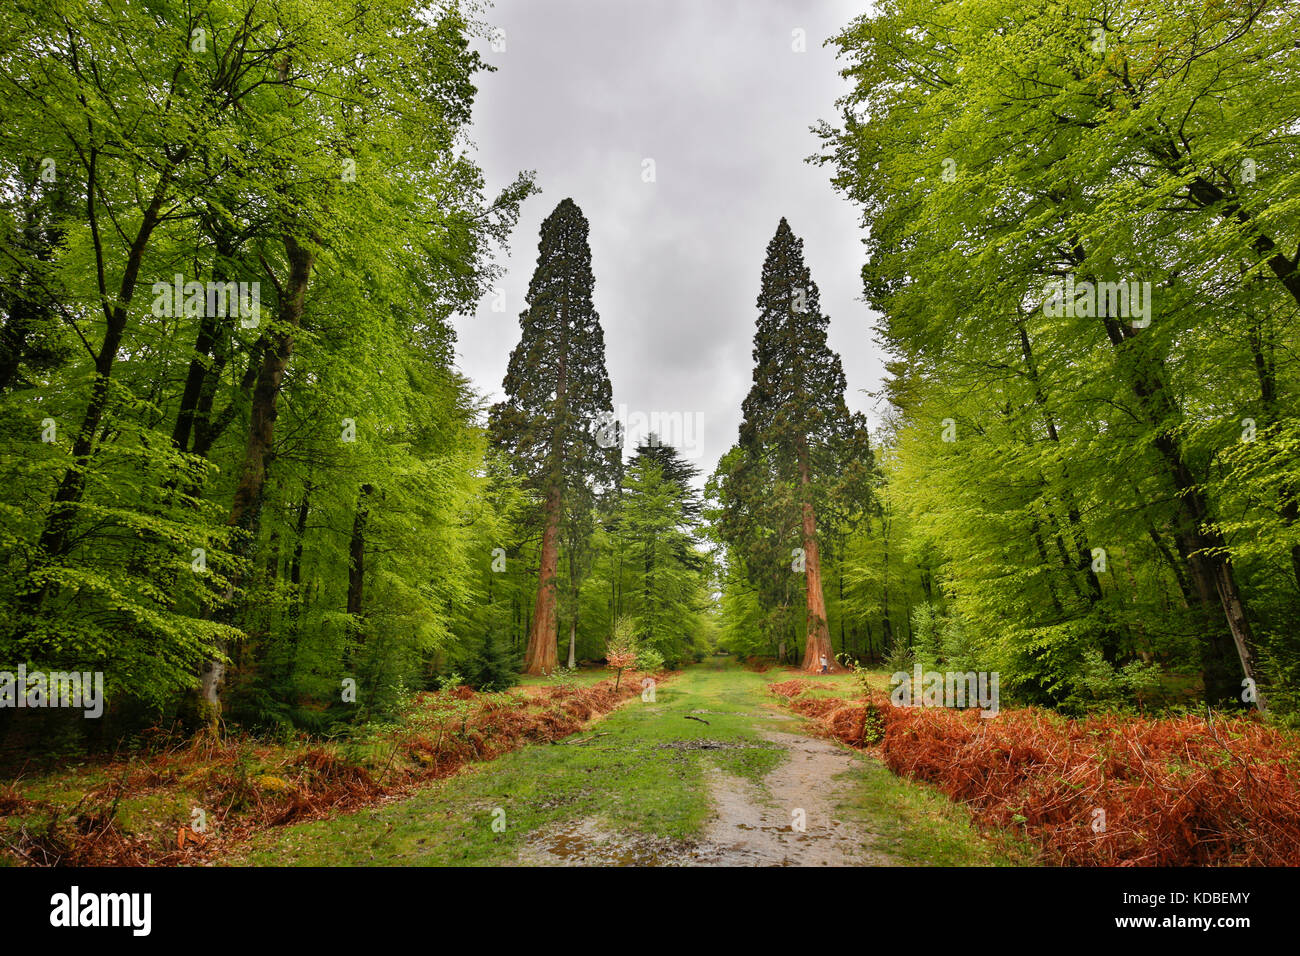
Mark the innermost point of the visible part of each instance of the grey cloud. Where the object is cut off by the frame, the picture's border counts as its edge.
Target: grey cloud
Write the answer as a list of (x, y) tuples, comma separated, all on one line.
[(714, 94)]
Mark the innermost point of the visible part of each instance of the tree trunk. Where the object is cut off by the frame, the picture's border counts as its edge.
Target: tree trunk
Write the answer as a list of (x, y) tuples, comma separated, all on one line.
[(1047, 565), (1199, 543), (246, 508), (295, 577), (573, 641), (1110, 639), (886, 625), (208, 359), (1266, 371), (357, 555), (357, 575), (55, 536), (818, 644), (542, 656)]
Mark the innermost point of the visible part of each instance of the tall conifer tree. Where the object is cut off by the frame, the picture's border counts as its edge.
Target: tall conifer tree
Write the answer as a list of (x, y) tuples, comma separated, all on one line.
[(558, 405), (795, 419)]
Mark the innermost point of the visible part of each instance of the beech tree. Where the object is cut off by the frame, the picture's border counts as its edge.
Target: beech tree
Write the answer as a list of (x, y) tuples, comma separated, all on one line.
[(271, 498), (1126, 459)]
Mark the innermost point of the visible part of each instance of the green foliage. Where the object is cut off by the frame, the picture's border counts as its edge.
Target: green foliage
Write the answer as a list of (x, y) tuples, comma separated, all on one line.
[(873, 727), (801, 457), (622, 641), (648, 566), (1105, 483), (496, 666), (222, 144), (557, 389), (649, 659), (1104, 682)]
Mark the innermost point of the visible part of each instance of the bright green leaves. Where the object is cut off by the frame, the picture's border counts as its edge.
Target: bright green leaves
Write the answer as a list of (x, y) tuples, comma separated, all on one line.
[(998, 149)]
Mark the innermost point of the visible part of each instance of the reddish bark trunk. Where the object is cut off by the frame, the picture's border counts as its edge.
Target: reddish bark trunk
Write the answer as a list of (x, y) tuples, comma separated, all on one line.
[(818, 644), (542, 656)]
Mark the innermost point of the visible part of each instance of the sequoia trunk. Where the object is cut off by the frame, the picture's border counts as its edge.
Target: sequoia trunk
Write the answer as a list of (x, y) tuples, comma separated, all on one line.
[(542, 655), (818, 644)]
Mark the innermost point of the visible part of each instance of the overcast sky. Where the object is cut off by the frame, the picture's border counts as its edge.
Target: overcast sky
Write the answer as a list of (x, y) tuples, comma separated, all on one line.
[(713, 92)]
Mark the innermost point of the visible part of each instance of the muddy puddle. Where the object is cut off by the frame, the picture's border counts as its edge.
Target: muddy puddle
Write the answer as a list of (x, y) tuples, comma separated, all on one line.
[(588, 843), (791, 821)]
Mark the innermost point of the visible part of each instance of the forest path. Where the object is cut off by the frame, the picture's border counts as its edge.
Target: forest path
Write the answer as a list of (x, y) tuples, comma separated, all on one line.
[(790, 819), (773, 806), (705, 771)]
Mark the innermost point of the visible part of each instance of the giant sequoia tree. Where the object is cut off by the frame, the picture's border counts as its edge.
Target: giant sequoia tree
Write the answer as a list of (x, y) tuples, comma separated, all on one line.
[(796, 425), (557, 404)]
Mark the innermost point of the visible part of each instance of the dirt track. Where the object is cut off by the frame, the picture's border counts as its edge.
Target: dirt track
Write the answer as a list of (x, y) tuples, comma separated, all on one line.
[(788, 821), (793, 823)]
